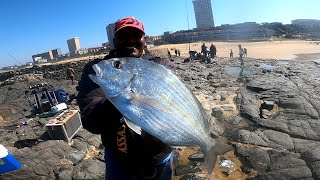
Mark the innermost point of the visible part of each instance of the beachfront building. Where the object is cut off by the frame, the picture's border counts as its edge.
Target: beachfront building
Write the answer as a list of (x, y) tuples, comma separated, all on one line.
[(56, 53), (96, 49), (39, 60), (110, 33), (243, 31), (81, 51), (203, 13), (46, 56), (73, 45)]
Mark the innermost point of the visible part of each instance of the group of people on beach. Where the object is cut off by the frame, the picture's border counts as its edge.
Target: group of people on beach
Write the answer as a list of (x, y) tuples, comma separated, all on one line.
[(212, 52), (206, 52), (243, 52), (176, 51)]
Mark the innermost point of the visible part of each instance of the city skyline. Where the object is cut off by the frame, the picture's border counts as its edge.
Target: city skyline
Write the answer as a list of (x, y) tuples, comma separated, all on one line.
[(27, 31)]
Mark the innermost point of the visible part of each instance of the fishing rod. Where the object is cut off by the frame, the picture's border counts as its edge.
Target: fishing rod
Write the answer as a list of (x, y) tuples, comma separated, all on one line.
[(188, 24), (15, 59)]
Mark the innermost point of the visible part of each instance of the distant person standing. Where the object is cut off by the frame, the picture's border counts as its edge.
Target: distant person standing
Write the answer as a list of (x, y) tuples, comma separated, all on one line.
[(70, 74), (204, 50), (169, 54), (231, 53), (213, 51), (176, 52), (240, 53), (179, 52), (245, 52)]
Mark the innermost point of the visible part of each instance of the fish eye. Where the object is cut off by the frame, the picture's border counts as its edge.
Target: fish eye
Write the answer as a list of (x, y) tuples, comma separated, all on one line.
[(117, 64)]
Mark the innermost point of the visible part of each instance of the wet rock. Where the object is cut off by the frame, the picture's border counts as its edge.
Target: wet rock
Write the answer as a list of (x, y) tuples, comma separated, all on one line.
[(234, 120), (252, 138), (197, 157), (312, 155), (26, 132), (215, 85), (80, 145), (91, 139), (268, 105), (316, 170), (279, 140), (185, 169), (187, 79), (64, 172), (192, 177), (285, 160), (215, 129), (249, 105), (227, 108), (246, 169), (76, 156), (89, 169), (303, 145), (217, 112), (265, 113), (223, 97), (290, 173), (100, 156), (259, 159)]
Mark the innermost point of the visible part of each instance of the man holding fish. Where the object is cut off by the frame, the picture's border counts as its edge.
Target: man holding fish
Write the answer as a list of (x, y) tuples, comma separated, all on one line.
[(141, 109)]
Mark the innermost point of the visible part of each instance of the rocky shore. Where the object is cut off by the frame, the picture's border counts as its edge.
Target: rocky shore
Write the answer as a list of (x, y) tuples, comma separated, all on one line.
[(268, 110)]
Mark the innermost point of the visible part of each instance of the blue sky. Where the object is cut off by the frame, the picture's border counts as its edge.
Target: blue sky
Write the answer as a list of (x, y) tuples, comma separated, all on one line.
[(34, 26)]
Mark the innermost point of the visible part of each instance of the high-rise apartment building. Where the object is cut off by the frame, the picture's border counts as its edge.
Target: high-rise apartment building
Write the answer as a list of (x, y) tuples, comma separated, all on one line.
[(56, 53), (203, 13), (73, 45), (110, 33)]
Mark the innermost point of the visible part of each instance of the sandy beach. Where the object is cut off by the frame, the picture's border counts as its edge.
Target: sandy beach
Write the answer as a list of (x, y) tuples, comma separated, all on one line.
[(289, 49)]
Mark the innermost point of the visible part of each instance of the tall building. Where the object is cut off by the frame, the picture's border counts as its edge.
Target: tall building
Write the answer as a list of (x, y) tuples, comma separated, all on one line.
[(56, 53), (110, 33), (73, 45), (203, 13)]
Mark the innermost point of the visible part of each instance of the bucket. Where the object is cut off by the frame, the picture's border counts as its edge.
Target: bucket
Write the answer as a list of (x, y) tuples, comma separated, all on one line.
[(7, 161)]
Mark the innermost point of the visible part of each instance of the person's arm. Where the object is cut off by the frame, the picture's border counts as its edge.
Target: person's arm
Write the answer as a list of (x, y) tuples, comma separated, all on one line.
[(165, 62), (72, 71), (94, 107)]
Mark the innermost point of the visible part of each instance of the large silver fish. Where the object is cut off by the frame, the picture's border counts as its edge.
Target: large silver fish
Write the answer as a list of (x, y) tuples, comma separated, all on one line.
[(153, 98)]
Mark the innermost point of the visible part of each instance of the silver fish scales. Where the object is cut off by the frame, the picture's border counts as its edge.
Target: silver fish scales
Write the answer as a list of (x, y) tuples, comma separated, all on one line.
[(154, 98)]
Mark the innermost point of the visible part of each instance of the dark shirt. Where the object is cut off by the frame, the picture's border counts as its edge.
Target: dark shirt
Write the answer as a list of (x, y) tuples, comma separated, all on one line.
[(99, 116), (213, 49)]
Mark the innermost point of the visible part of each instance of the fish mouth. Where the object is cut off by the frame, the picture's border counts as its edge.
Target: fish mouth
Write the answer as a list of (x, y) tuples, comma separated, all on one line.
[(97, 70)]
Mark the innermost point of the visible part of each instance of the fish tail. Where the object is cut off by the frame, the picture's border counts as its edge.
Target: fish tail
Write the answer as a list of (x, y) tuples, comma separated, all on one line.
[(211, 155)]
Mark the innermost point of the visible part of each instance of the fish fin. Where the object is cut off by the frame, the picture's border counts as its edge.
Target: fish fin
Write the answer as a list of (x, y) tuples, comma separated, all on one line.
[(132, 126), (211, 155), (146, 101), (203, 112)]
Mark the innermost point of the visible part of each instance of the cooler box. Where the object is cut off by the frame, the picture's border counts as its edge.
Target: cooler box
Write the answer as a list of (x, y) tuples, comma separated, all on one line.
[(7, 161), (65, 125)]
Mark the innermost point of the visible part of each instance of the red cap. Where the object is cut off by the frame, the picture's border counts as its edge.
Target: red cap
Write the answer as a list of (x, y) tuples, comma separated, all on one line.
[(128, 22)]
